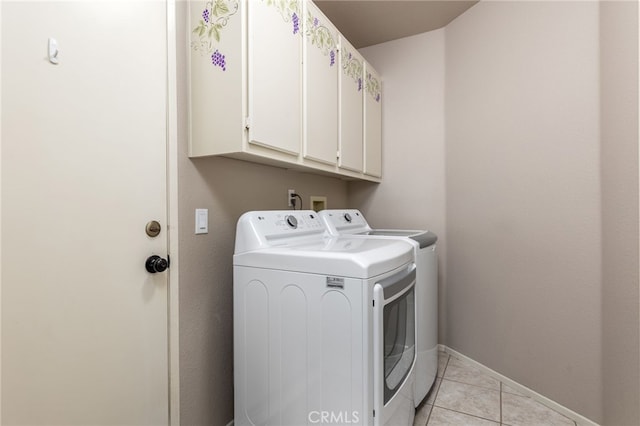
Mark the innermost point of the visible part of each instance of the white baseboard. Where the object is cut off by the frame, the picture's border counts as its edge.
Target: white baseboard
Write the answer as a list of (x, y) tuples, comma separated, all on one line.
[(230, 423), (579, 419)]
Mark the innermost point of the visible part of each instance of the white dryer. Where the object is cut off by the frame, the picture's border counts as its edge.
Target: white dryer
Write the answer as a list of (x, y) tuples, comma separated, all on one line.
[(324, 328), (351, 222)]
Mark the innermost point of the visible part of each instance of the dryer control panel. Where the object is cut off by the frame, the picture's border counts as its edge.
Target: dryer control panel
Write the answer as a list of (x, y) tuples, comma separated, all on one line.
[(348, 221), (271, 228)]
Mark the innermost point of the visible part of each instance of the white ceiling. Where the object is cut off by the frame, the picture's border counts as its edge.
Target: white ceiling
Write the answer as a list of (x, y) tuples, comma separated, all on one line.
[(368, 22)]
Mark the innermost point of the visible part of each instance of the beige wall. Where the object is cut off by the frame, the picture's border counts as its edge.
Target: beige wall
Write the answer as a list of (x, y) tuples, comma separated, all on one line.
[(411, 195), (619, 150), (227, 188), (521, 289), (523, 196)]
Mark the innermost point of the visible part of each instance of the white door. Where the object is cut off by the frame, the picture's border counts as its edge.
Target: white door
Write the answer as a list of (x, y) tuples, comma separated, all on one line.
[(84, 325)]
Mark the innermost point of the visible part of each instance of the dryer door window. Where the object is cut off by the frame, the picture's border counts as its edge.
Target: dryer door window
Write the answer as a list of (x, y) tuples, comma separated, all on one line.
[(398, 342)]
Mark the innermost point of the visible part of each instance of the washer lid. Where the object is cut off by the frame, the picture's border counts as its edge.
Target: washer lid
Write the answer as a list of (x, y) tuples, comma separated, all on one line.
[(340, 256)]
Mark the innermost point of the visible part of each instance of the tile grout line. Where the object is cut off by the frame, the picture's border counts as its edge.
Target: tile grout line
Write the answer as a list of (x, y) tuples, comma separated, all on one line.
[(429, 416), (442, 379), (471, 384), (438, 388), (468, 414), (500, 402)]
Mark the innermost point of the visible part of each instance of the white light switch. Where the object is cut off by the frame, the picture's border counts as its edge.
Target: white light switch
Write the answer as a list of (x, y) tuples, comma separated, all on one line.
[(202, 221), (53, 51)]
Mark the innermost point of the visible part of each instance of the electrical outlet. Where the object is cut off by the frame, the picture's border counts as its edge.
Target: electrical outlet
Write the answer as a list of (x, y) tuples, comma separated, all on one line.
[(290, 197)]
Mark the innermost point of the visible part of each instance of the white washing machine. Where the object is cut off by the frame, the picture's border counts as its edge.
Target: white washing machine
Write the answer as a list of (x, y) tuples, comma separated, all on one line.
[(324, 328), (351, 222)]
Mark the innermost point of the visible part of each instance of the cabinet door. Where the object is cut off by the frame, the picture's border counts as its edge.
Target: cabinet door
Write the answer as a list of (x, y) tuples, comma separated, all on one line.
[(372, 123), (215, 66), (320, 86), (351, 107), (275, 74)]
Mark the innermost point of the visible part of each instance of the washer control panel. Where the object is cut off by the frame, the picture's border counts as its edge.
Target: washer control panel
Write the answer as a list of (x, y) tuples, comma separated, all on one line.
[(270, 228), (284, 222)]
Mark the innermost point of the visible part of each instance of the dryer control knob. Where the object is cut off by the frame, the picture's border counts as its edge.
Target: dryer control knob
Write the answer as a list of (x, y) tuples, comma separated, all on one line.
[(347, 217), (292, 222)]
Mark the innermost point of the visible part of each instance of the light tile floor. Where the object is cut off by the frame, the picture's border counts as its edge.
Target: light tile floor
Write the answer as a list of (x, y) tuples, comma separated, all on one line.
[(464, 395)]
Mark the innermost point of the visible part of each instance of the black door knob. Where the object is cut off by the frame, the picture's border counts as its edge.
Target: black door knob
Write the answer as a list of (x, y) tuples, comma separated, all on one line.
[(156, 264)]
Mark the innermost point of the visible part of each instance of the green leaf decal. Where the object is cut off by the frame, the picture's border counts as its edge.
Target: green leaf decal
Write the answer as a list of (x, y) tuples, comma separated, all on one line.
[(320, 36), (215, 17), (222, 7)]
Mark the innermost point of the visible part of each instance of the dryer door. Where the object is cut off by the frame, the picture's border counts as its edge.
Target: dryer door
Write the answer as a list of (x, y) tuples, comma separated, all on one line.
[(399, 341), (394, 345)]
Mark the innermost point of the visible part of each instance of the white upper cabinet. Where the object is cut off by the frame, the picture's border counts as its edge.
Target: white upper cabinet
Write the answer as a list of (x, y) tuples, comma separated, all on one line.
[(320, 86), (372, 123), (275, 74), (270, 83), (351, 107)]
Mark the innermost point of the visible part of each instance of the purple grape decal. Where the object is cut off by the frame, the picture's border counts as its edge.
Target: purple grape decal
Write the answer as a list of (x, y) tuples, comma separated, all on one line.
[(332, 57), (296, 23), (205, 37), (359, 84), (378, 97), (218, 60), (315, 22)]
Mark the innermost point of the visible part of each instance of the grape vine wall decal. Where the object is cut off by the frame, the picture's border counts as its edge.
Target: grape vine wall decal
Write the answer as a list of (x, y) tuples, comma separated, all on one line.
[(321, 37), (290, 11), (352, 67), (215, 17), (217, 13), (373, 87)]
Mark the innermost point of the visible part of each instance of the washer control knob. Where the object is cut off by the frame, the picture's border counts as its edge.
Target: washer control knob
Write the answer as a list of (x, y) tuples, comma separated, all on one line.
[(292, 221), (347, 217)]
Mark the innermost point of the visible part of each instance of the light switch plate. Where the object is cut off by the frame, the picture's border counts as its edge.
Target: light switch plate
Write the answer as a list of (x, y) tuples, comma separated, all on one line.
[(202, 221)]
